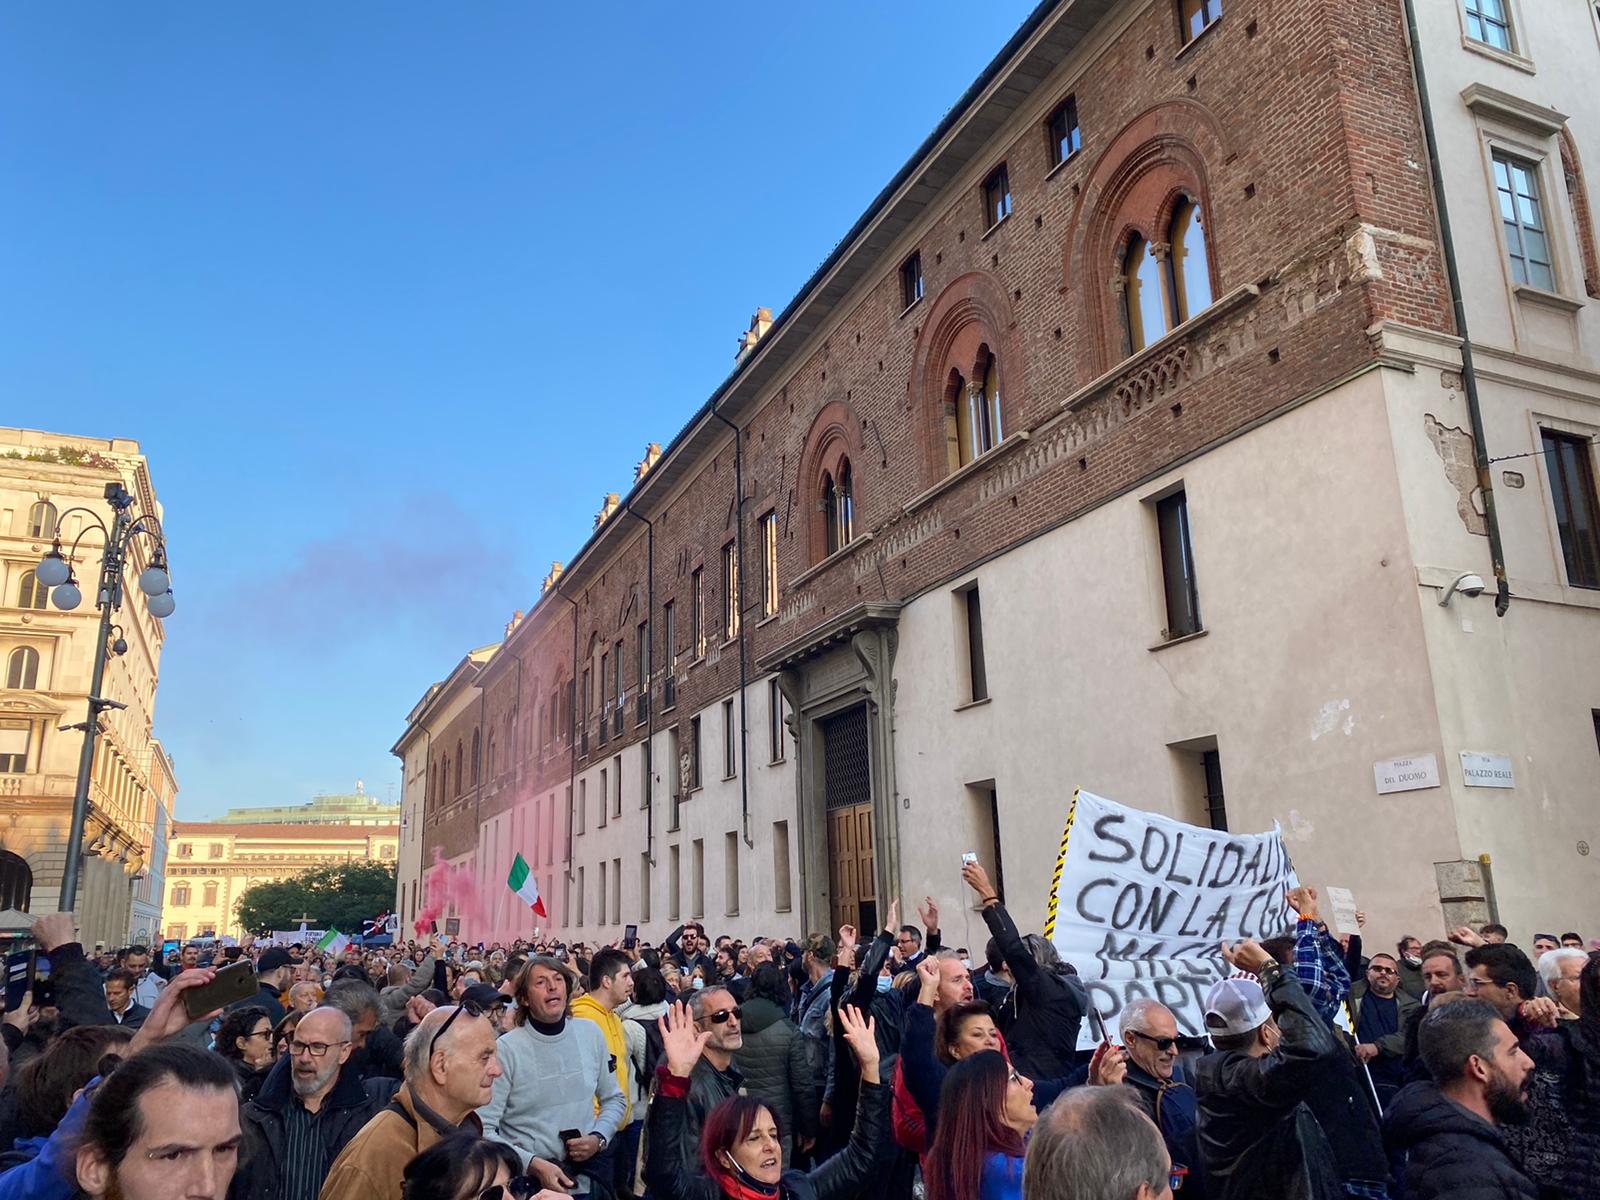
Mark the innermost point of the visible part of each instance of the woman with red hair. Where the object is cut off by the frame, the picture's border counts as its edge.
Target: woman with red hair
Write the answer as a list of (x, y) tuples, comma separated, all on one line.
[(741, 1146), (985, 1113)]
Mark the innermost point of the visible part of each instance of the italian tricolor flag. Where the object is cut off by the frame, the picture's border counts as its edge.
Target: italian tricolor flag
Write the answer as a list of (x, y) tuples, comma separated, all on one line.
[(333, 942), (521, 882)]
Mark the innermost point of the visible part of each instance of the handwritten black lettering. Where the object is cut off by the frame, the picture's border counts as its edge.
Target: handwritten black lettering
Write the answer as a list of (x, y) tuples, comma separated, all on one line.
[(1102, 832), (1084, 895), (1177, 855)]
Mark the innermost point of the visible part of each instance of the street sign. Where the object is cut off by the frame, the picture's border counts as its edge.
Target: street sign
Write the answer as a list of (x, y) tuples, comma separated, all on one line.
[(1487, 770), (1409, 774)]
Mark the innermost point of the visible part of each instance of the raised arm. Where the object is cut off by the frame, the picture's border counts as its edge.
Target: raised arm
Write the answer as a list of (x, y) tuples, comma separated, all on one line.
[(845, 1175)]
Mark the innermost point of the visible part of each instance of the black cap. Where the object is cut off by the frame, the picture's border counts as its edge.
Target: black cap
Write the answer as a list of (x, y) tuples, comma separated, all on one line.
[(272, 958), (484, 995)]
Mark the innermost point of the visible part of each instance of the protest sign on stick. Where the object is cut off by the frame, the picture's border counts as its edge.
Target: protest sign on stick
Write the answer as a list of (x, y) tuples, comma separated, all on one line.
[(1140, 903)]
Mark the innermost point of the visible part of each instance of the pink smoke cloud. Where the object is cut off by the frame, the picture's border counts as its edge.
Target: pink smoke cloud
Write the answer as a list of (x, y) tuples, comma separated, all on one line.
[(444, 885)]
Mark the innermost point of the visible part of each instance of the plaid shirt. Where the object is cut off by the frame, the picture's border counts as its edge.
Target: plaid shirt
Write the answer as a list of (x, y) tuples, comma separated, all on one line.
[(1319, 965)]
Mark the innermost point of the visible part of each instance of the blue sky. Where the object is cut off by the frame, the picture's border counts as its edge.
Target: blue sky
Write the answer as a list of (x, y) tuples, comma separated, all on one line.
[(392, 294)]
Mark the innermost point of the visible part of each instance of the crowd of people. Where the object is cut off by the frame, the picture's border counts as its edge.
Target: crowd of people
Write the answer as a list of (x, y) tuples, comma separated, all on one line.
[(839, 1066)]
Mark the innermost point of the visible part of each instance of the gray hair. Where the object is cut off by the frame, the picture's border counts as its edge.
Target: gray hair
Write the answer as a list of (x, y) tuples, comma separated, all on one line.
[(418, 1046), (355, 998), (1550, 963), (1093, 1143), (1135, 1014), (697, 1002)]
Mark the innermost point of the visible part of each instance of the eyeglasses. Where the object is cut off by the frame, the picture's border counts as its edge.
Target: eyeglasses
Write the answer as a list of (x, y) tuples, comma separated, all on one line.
[(1162, 1044), (471, 1007), (519, 1187), (262, 1033), (1382, 971), (1012, 1076), (727, 1014), (315, 1049)]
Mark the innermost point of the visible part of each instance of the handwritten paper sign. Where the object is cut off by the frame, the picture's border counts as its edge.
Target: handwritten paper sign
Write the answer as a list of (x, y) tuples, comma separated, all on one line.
[(1141, 902), (1341, 908)]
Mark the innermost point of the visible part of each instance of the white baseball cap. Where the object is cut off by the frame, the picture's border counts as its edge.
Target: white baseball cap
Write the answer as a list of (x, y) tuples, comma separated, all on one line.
[(1236, 1006)]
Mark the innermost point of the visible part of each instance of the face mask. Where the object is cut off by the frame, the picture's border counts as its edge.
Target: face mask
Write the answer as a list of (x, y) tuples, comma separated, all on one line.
[(885, 983), (967, 963), (697, 983), (1413, 962)]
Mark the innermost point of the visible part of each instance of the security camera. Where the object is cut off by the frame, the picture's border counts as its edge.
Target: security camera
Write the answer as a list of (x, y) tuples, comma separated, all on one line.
[(1467, 584)]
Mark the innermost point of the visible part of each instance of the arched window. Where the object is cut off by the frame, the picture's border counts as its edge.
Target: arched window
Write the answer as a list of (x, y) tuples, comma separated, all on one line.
[(838, 506), (977, 406), (31, 593), (461, 777), (477, 749), (42, 520), (16, 882), (1144, 306), (1190, 270), (22, 668), (490, 764)]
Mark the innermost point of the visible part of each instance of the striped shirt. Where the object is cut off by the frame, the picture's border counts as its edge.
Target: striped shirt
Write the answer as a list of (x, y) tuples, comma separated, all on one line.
[(305, 1158)]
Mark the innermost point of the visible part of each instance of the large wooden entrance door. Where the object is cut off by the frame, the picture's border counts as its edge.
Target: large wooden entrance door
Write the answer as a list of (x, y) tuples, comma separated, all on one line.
[(847, 772)]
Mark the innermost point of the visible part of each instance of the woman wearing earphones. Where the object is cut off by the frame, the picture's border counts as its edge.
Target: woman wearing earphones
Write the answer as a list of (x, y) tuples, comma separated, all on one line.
[(741, 1148)]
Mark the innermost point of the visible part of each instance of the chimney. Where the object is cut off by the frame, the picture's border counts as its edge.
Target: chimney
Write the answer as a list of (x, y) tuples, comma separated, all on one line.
[(652, 453), (759, 324), (612, 502), (516, 619), (550, 579)]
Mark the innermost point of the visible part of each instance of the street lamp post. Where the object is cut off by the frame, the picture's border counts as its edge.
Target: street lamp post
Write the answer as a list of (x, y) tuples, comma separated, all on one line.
[(55, 572)]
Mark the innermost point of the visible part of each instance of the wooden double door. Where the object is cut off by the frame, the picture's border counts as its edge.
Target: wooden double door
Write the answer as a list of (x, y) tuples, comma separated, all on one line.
[(852, 860)]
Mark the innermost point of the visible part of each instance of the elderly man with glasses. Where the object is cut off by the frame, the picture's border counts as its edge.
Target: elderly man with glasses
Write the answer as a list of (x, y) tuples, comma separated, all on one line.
[(308, 1109), (1381, 1009), (1149, 1033), (450, 1072), (716, 1012)]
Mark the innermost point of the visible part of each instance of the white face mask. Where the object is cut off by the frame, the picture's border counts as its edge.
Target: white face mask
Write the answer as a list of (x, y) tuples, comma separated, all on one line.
[(697, 983), (967, 963)]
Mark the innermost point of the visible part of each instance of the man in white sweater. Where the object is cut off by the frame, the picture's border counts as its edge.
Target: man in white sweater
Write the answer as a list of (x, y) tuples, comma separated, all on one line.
[(557, 1078)]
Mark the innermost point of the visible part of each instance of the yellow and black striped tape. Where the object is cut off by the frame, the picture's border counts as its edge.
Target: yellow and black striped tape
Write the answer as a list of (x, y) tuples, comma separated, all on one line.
[(1055, 879)]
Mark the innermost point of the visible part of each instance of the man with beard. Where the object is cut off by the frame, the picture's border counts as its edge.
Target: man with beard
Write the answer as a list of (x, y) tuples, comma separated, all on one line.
[(1450, 1129), (308, 1108)]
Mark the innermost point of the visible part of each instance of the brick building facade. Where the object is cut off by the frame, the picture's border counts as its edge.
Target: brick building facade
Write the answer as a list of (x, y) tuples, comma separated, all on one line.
[(1135, 313)]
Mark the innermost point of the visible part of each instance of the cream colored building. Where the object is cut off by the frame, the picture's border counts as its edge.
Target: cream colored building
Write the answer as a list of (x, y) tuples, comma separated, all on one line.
[(211, 864), (46, 656)]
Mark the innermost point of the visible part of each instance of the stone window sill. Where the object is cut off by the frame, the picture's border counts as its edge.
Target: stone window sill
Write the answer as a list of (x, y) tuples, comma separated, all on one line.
[(1510, 58), (1534, 295)]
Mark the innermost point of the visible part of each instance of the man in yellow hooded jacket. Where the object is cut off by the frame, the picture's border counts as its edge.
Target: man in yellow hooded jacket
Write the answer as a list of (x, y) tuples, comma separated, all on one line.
[(610, 985)]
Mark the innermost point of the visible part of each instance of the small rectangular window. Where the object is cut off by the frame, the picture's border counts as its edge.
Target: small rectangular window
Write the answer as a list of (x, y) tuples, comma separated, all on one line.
[(580, 895), (644, 888), (642, 673), (782, 898), (603, 811), (694, 753), (776, 742), (669, 627), (977, 669), (730, 752), (997, 196), (911, 280), (1177, 566), (1516, 184), (1065, 138), (697, 879), (616, 779), (600, 895), (210, 894), (730, 875), (674, 876), (1489, 22), (1572, 490), (616, 891), (1216, 802), (697, 612), (730, 591), (646, 769), (1198, 16), (768, 528), (14, 739), (583, 803)]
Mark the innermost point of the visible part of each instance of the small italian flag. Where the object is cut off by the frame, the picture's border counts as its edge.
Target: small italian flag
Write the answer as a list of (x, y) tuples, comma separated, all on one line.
[(521, 882), (333, 942)]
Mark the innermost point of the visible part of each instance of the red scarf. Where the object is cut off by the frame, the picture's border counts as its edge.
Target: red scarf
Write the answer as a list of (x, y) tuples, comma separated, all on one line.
[(736, 1188)]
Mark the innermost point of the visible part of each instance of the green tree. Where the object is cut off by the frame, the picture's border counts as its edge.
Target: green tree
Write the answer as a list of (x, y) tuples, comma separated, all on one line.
[(338, 896)]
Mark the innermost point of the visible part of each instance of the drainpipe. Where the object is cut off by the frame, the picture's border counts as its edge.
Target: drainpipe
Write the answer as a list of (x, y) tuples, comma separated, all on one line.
[(572, 731), (648, 682), (1469, 374), (738, 535)]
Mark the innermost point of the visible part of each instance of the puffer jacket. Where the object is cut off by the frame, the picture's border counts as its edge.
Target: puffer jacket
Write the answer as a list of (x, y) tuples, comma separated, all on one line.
[(1257, 1137), (1040, 1016), (778, 1070), (1451, 1154), (671, 1164)]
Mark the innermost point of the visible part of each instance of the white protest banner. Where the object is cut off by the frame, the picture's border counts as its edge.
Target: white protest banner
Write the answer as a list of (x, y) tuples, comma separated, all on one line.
[(1140, 905)]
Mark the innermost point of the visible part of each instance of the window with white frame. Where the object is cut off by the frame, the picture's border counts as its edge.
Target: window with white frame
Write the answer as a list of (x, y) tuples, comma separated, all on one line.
[(1489, 22), (1522, 216)]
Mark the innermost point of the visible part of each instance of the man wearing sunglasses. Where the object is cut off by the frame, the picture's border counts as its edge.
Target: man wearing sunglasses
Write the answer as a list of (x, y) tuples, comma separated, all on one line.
[(715, 1078), (1381, 1010), (450, 1071), (1149, 1033)]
